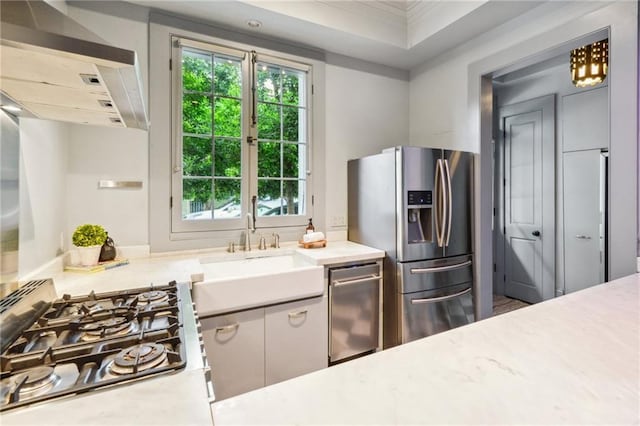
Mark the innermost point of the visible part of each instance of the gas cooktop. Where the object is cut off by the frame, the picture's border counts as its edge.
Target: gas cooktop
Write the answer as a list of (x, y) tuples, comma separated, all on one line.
[(78, 344)]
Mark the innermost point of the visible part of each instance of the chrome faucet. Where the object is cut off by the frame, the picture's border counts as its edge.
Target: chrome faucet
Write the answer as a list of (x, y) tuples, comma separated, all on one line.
[(263, 243), (247, 238)]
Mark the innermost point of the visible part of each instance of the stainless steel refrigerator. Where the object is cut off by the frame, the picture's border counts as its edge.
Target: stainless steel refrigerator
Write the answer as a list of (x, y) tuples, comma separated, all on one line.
[(415, 203)]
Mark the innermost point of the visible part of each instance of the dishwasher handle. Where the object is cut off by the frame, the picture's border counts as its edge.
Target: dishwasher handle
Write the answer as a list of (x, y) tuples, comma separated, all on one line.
[(355, 280)]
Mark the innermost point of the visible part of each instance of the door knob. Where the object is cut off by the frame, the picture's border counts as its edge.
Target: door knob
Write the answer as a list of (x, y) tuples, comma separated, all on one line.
[(536, 233)]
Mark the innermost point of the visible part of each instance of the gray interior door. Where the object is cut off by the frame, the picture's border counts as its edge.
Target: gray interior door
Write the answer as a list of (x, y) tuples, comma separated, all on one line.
[(583, 219), (529, 199)]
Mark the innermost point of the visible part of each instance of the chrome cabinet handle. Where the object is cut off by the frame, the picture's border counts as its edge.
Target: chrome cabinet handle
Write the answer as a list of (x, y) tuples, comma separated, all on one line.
[(440, 268), (227, 328), (441, 298), (583, 237), (297, 314), (338, 283)]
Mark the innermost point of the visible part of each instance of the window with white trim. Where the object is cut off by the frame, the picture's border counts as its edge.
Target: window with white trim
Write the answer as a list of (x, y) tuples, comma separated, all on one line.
[(241, 140)]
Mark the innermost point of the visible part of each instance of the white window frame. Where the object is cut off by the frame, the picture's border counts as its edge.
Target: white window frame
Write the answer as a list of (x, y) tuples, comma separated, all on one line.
[(249, 152)]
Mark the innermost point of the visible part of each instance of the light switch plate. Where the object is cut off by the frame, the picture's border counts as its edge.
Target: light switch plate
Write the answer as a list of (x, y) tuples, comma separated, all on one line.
[(338, 221)]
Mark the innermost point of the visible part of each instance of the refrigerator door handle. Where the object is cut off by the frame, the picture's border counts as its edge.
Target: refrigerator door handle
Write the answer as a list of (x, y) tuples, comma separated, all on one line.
[(440, 268), (437, 202), (449, 196), (440, 198), (441, 298)]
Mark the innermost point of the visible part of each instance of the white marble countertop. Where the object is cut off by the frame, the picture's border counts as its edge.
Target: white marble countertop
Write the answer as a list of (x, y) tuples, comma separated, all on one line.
[(138, 273), (175, 399), (160, 269), (571, 360), (340, 252)]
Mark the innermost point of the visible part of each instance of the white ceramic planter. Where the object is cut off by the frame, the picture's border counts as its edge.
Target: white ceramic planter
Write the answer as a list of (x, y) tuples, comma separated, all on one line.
[(89, 255)]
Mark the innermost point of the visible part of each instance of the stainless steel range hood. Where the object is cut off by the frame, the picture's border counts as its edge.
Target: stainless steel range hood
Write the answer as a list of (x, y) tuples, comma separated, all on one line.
[(59, 70)]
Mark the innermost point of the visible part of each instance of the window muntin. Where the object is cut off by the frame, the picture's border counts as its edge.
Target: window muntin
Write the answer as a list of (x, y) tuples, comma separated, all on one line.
[(219, 171)]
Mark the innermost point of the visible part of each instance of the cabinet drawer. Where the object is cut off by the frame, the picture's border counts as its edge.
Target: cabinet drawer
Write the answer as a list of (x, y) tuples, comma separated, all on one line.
[(235, 350), (295, 339)]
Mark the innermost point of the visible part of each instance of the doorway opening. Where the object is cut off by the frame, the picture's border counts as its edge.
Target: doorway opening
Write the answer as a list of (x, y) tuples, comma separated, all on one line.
[(550, 179)]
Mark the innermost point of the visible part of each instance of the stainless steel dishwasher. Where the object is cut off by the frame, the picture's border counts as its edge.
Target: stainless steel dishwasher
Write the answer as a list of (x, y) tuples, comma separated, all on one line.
[(354, 310)]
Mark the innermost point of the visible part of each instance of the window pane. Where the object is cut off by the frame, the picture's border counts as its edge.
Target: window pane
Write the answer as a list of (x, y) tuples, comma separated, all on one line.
[(268, 83), (214, 177), (196, 114), (291, 194), (227, 155), (293, 160), (227, 116), (269, 201), (196, 71), (268, 121), (269, 159), (228, 77), (227, 202), (196, 156), (291, 123), (196, 199), (292, 81)]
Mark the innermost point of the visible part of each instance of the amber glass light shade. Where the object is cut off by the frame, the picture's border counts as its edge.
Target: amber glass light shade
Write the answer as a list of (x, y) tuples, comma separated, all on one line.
[(589, 63)]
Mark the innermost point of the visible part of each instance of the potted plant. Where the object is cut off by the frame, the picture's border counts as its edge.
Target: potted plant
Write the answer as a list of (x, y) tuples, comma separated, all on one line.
[(89, 239)]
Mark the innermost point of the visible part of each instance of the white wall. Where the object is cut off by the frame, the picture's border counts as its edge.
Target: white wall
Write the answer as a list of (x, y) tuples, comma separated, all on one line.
[(43, 164), (365, 113), (120, 24), (355, 113), (450, 106), (439, 88), (111, 153), (97, 153)]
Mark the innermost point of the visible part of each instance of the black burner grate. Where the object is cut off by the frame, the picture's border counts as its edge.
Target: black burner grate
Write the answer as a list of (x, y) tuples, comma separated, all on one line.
[(53, 341)]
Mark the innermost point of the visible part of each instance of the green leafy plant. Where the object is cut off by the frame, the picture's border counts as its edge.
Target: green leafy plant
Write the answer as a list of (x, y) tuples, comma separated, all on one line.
[(89, 235)]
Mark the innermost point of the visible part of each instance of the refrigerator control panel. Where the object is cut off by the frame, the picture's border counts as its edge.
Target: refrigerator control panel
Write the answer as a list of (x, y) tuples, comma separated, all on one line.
[(419, 198)]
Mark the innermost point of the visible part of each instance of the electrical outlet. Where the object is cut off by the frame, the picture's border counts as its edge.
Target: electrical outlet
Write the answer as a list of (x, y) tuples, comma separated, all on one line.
[(338, 221)]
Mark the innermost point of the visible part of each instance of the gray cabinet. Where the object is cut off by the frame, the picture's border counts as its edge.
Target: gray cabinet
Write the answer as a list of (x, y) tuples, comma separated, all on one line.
[(234, 344), (250, 349), (585, 120), (295, 339), (584, 214)]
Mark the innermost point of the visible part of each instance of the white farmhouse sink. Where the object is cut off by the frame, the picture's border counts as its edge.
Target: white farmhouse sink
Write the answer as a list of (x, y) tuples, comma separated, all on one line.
[(233, 285)]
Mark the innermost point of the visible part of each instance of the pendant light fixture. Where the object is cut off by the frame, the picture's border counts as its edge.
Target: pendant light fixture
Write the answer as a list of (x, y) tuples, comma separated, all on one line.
[(589, 63)]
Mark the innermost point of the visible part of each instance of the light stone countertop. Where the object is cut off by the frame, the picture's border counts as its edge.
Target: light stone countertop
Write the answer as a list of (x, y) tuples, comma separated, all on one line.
[(340, 252), (180, 266), (570, 360), (174, 399)]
